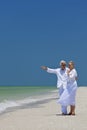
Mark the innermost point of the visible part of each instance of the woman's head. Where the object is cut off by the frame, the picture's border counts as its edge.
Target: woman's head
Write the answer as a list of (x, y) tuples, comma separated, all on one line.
[(71, 65)]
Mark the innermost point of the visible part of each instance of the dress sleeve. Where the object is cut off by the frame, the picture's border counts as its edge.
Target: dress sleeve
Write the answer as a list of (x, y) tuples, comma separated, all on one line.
[(73, 75)]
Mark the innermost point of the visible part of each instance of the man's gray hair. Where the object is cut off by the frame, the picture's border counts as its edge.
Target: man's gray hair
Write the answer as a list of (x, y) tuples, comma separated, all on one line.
[(62, 62)]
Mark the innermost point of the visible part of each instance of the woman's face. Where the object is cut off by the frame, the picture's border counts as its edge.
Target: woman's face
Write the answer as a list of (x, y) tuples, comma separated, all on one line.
[(71, 66)]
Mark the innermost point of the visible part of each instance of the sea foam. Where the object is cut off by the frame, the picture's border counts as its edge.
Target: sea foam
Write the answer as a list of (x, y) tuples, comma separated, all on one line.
[(8, 104)]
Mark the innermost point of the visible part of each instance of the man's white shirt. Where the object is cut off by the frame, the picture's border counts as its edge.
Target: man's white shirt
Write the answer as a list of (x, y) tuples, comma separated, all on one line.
[(61, 76)]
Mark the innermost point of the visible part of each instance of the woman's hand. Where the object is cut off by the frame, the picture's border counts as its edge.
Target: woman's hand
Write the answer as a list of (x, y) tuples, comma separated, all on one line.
[(68, 72)]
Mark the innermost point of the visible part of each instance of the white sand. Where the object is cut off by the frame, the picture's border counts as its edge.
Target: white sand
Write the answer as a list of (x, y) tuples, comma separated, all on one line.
[(47, 116)]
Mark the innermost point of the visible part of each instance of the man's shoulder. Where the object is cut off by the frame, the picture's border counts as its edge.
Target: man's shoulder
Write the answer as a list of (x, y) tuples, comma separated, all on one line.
[(58, 68)]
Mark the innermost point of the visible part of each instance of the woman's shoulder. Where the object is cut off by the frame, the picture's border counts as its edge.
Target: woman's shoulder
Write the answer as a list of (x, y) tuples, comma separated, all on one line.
[(74, 71)]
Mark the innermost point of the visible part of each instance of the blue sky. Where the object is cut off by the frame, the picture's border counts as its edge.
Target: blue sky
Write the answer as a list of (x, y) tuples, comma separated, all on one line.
[(35, 33)]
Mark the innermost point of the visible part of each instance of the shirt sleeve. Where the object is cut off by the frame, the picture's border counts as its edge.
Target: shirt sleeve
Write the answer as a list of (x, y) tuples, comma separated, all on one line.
[(54, 71)]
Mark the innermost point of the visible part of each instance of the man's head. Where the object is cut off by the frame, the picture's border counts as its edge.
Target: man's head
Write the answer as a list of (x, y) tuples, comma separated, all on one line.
[(63, 64)]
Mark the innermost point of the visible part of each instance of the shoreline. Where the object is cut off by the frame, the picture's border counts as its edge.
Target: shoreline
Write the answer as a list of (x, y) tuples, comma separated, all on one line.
[(47, 116), (9, 105)]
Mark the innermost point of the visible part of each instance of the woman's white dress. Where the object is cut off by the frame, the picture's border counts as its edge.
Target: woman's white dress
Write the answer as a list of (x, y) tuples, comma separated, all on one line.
[(69, 94)]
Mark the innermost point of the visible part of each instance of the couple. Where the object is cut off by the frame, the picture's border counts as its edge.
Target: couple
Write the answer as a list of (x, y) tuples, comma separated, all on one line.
[(67, 85)]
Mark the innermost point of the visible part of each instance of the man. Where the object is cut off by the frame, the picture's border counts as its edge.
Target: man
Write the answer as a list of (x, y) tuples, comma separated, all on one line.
[(61, 79)]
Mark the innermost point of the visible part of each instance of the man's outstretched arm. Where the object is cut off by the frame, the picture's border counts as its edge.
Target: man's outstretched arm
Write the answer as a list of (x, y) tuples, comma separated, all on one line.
[(49, 70)]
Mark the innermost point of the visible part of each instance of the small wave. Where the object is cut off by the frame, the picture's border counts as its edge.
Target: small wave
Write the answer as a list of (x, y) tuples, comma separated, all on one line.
[(6, 104)]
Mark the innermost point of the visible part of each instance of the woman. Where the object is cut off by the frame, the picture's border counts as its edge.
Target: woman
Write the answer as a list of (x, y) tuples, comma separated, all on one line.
[(68, 96)]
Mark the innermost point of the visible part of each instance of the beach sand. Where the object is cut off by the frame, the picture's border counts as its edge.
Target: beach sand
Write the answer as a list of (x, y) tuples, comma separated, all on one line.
[(47, 116)]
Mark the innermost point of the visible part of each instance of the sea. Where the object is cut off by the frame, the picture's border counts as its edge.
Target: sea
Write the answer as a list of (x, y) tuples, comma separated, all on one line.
[(20, 96)]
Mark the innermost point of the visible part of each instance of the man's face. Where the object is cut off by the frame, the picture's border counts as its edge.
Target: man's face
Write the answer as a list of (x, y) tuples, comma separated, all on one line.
[(63, 66)]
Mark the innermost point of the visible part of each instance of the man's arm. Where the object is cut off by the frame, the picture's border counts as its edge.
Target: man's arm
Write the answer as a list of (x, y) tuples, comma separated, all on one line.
[(49, 70)]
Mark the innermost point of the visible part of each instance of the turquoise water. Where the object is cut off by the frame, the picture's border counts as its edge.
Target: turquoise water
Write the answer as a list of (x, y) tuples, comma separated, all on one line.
[(19, 95)]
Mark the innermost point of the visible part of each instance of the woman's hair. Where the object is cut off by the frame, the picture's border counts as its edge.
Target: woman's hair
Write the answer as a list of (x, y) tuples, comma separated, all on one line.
[(71, 62)]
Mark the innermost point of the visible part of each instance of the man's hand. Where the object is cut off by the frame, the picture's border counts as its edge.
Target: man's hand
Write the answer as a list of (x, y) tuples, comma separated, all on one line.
[(43, 67)]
